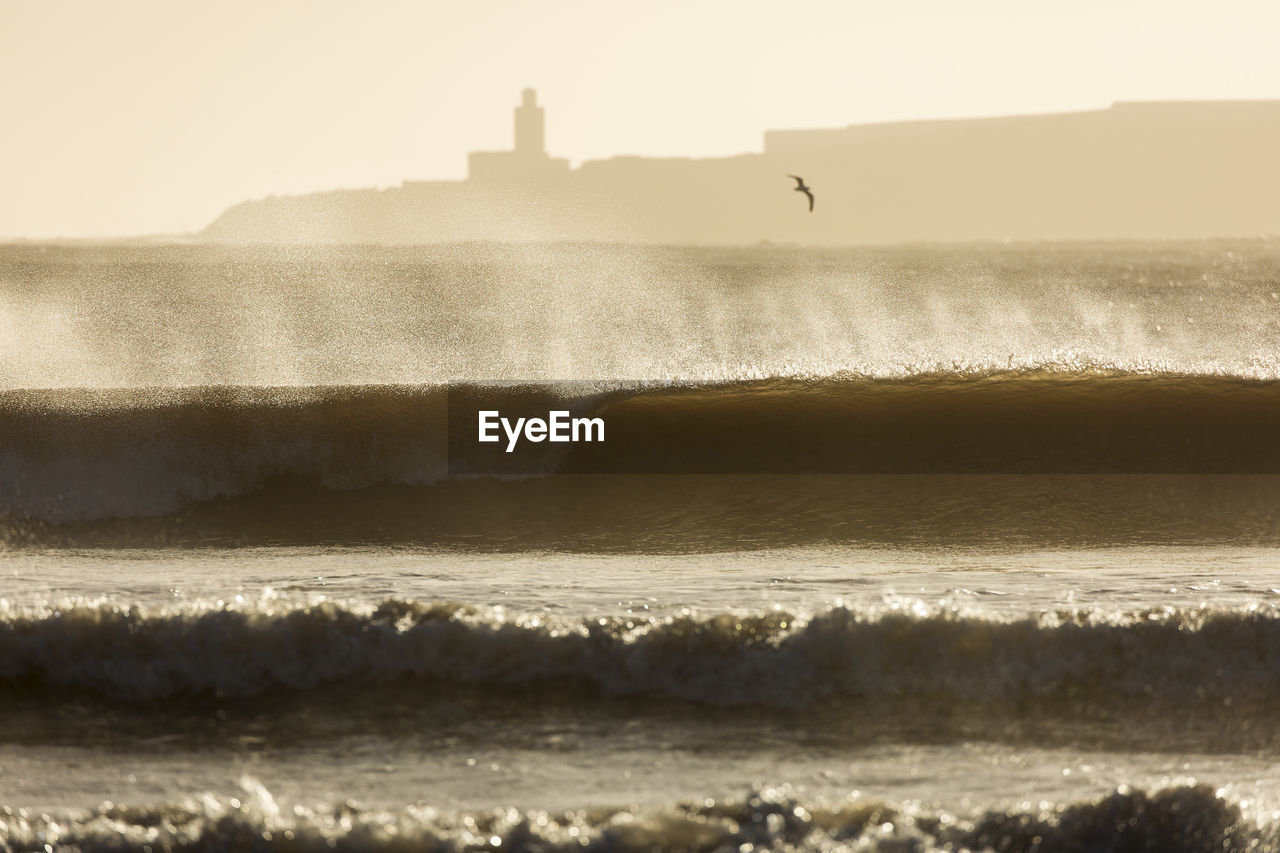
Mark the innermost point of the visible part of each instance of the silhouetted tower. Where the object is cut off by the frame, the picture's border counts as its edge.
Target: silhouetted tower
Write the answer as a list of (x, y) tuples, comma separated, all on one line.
[(529, 158), (530, 127)]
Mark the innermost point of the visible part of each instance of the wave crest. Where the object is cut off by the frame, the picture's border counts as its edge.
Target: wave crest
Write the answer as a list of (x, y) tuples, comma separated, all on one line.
[(84, 456), (771, 659), (1191, 818)]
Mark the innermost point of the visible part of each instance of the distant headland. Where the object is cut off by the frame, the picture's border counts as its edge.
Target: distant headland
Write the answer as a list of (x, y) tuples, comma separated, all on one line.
[(1159, 170)]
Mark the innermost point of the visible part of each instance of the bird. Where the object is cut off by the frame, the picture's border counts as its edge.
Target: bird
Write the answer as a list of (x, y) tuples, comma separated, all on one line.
[(801, 188)]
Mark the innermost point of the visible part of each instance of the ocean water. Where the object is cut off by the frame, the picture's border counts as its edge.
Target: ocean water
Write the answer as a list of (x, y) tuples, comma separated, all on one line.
[(886, 549)]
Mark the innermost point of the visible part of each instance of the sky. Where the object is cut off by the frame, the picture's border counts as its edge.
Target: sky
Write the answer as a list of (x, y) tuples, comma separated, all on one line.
[(153, 116)]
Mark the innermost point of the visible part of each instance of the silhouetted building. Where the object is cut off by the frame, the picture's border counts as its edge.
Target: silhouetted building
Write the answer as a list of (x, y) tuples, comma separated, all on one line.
[(1150, 122), (529, 157)]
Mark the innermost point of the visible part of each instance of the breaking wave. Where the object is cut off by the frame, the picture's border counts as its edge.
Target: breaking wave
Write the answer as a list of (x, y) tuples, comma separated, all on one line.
[(69, 456), (1187, 818), (770, 659)]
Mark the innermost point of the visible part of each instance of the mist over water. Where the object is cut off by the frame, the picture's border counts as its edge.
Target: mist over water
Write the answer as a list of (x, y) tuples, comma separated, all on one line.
[(210, 315)]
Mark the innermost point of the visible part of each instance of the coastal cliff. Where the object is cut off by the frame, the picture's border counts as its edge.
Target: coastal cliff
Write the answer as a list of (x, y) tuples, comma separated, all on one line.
[(1134, 171)]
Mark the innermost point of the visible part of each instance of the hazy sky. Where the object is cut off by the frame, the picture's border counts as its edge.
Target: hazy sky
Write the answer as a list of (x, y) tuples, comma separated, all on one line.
[(152, 116)]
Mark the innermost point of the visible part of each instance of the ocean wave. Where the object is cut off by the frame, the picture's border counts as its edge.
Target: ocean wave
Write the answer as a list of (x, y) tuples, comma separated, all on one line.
[(1173, 819), (83, 455), (772, 659), (71, 456)]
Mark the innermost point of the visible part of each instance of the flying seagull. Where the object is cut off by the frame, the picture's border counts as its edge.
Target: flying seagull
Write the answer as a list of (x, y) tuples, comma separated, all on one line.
[(801, 188)]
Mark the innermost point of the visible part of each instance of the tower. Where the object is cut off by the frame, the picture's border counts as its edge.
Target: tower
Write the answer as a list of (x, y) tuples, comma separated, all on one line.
[(528, 160), (530, 127)]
